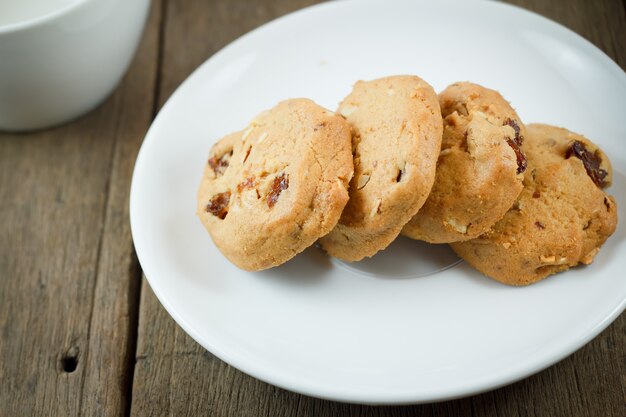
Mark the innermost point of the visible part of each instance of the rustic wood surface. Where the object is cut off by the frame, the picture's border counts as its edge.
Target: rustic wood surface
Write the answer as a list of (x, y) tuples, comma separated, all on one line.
[(81, 333)]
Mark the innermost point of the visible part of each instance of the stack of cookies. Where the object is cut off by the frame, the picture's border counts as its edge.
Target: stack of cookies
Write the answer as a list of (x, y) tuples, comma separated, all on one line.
[(517, 202)]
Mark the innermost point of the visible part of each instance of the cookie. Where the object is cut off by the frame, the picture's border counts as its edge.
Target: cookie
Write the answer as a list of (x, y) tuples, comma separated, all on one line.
[(561, 217), (397, 125), (271, 190), (480, 167)]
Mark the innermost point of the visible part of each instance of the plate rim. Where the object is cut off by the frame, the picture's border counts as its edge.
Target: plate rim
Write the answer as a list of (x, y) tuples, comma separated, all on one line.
[(270, 376)]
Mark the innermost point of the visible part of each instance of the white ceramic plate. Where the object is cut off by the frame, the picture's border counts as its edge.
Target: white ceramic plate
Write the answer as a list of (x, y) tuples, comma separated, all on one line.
[(412, 324)]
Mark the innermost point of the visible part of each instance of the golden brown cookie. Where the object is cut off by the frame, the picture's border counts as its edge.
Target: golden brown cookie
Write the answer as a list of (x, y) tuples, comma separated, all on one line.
[(560, 219), (480, 167), (271, 190), (397, 125)]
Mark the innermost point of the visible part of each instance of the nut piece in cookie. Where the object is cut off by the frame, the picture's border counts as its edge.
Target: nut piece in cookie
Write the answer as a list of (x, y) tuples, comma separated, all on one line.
[(397, 125), (561, 218), (272, 189), (480, 168)]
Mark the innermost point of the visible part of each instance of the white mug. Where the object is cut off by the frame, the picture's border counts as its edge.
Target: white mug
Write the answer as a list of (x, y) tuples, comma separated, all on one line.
[(61, 58)]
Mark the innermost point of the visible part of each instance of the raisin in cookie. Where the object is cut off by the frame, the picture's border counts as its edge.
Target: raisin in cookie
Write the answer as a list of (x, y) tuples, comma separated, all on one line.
[(480, 167), (397, 125), (271, 190), (560, 219)]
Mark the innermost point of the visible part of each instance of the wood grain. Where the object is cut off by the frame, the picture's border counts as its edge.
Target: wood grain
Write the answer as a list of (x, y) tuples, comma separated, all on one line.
[(69, 281), (49, 245), (82, 334), (175, 376), (113, 327), (603, 23)]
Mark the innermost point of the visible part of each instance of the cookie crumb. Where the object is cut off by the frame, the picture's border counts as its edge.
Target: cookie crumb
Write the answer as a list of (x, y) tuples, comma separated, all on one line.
[(376, 208), (247, 132), (363, 180), (461, 228), (347, 110), (262, 137), (588, 258)]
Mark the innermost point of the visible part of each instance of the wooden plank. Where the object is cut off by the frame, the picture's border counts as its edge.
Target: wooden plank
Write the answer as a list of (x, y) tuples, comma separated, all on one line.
[(206, 27), (65, 256), (175, 376), (603, 23), (49, 239), (111, 346), (153, 361)]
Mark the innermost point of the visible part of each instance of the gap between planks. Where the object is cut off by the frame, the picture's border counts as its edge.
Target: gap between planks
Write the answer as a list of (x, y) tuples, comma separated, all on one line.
[(134, 293)]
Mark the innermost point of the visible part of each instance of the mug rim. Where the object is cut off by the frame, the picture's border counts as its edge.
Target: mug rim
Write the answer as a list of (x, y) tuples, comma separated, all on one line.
[(39, 20)]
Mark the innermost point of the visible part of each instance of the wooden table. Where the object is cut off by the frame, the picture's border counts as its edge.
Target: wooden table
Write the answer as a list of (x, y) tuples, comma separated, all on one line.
[(82, 334)]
